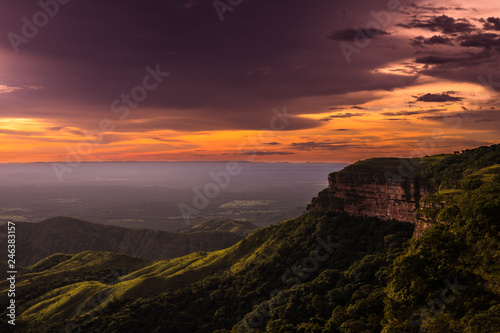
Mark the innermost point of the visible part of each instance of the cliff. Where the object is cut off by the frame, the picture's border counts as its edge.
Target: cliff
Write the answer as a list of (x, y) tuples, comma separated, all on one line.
[(387, 188)]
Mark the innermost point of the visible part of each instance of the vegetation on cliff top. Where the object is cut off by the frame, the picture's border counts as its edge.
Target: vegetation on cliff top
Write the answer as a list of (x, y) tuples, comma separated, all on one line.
[(384, 165)]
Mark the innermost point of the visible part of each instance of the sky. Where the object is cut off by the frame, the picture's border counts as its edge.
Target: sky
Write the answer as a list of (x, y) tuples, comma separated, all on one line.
[(275, 81)]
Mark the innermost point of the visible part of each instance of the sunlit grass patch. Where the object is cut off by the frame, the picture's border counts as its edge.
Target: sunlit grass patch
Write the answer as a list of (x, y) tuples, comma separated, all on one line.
[(246, 203)]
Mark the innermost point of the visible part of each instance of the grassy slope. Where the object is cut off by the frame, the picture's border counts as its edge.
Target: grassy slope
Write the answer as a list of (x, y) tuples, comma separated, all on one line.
[(380, 165), (82, 276), (242, 228), (55, 278)]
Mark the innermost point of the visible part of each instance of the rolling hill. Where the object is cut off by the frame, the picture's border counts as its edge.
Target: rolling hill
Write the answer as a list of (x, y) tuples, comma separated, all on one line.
[(36, 241)]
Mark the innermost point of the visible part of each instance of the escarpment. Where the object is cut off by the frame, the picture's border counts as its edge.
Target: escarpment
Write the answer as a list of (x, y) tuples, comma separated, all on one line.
[(375, 188)]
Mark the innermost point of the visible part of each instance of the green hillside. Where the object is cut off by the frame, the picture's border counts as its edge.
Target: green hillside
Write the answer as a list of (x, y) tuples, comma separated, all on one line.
[(242, 228), (315, 273), (381, 165)]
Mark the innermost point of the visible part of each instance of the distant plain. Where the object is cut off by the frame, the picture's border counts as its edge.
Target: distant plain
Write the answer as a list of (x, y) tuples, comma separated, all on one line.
[(148, 194)]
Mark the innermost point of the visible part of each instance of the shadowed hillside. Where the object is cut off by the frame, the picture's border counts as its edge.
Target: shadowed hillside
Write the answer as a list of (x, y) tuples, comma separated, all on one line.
[(36, 241)]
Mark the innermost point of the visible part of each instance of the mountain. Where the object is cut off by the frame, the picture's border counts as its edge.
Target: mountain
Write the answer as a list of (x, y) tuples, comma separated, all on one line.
[(36, 241), (242, 228), (329, 270)]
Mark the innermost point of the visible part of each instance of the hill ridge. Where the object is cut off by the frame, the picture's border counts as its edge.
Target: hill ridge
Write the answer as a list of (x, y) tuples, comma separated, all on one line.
[(61, 234)]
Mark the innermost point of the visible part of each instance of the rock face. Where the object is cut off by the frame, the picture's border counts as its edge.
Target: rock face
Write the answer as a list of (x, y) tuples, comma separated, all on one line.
[(376, 195)]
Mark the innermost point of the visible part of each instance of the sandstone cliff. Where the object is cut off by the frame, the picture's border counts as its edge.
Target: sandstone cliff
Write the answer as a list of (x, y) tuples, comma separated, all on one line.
[(387, 188)]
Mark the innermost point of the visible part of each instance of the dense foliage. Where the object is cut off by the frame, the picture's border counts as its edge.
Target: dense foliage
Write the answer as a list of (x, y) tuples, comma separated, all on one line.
[(351, 278), (461, 249)]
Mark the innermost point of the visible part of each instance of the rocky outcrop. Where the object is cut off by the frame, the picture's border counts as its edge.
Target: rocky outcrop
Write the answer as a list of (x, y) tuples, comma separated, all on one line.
[(371, 194)]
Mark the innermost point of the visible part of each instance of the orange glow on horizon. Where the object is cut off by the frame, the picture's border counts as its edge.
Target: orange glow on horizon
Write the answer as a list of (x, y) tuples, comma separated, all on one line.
[(349, 134)]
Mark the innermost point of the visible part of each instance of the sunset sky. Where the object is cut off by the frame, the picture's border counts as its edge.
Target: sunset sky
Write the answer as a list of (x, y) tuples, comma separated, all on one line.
[(356, 82)]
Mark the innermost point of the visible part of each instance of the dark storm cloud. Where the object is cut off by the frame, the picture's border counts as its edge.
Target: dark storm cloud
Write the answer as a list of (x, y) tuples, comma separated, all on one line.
[(480, 40), (444, 97), (343, 115), (460, 60), (460, 52), (428, 8), (267, 153), (272, 143), (460, 115), (410, 113), (437, 59), (434, 40), (492, 23), (443, 23), (350, 34)]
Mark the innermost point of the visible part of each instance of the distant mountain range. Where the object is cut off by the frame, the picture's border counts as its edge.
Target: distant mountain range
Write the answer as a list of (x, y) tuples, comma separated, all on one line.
[(36, 241)]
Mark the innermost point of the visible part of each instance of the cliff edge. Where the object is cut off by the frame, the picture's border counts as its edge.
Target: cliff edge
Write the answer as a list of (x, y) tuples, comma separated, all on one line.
[(387, 188)]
